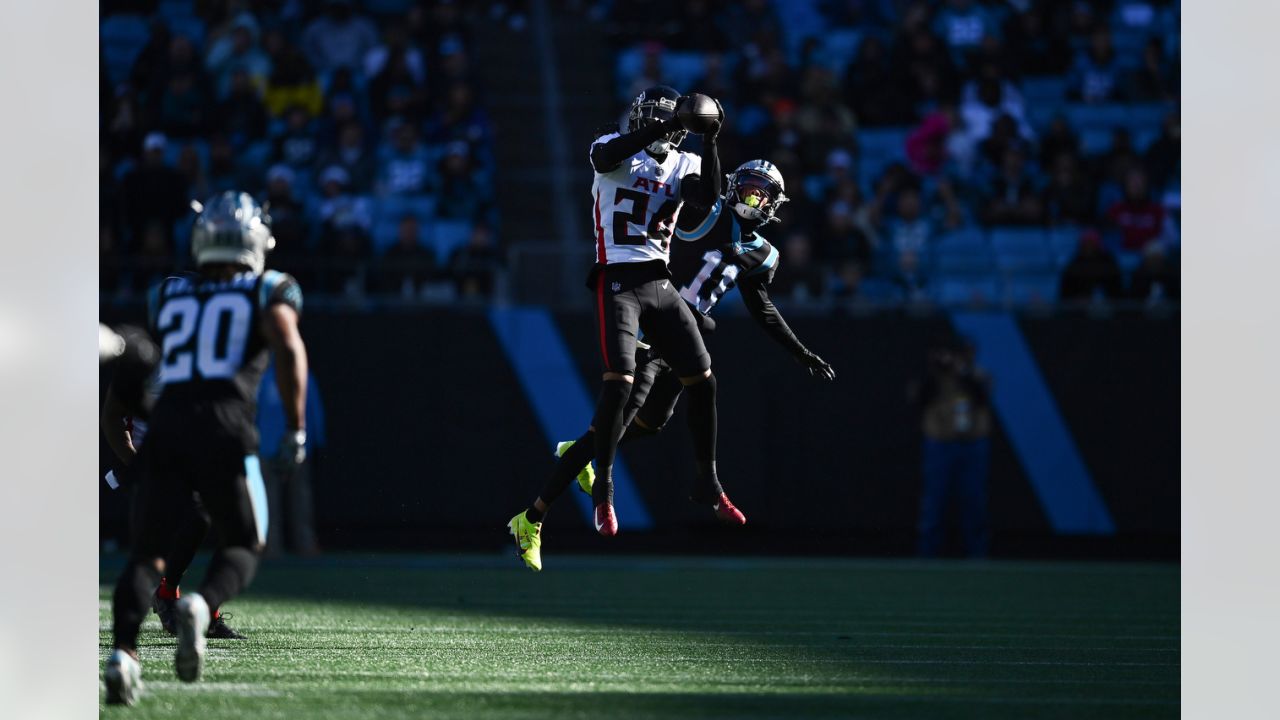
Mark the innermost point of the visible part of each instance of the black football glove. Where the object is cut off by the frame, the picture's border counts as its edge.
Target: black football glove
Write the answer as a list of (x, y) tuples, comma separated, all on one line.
[(816, 366)]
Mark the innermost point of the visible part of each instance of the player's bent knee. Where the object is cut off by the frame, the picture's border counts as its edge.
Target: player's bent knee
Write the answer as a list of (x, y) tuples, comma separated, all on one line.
[(619, 376)]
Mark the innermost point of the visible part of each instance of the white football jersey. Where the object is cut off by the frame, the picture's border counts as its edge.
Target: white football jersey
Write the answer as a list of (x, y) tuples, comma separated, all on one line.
[(636, 205)]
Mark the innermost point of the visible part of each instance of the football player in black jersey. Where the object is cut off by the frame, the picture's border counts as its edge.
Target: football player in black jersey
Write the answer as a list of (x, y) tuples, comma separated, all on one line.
[(721, 250), (125, 413), (215, 328)]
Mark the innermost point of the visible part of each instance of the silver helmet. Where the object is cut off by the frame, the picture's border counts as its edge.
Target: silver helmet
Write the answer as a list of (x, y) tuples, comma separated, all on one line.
[(755, 191), (232, 228)]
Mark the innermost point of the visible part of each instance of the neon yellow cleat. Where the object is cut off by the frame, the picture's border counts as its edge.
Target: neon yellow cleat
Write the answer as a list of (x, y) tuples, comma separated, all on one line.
[(587, 477), (528, 537)]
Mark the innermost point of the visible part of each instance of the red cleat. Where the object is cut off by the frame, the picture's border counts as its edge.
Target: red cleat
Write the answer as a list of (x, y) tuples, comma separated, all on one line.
[(727, 513), (606, 521)]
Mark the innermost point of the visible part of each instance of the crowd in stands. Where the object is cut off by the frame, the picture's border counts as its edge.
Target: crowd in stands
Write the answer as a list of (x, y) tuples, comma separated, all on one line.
[(949, 150), (360, 125)]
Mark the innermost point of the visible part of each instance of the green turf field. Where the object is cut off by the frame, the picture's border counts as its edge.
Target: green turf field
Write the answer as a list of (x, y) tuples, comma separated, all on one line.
[(642, 637)]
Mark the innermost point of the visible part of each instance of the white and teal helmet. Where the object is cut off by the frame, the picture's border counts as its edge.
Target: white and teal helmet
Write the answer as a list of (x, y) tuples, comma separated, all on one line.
[(232, 228), (756, 191)]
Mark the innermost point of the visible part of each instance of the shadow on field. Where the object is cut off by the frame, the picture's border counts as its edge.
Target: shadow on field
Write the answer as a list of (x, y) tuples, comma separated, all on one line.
[(831, 636)]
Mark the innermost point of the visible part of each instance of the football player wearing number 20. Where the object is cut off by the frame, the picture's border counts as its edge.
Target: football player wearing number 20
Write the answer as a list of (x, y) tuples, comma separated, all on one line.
[(215, 328), (642, 180), (721, 250)]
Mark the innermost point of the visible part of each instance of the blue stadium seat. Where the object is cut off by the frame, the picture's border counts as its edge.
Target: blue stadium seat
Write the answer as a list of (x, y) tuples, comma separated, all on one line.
[(682, 68), (887, 144), (449, 235), (965, 289), (968, 238), (1021, 249), (1063, 242), (1031, 289), (190, 27), (963, 260), (839, 47), (1044, 91), (122, 38), (880, 291), (800, 19)]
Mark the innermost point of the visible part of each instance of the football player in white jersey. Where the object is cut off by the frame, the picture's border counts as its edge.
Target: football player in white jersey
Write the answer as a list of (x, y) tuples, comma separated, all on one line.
[(642, 180)]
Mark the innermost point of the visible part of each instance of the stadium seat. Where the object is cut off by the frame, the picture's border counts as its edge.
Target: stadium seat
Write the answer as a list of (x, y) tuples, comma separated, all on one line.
[(176, 8), (1021, 250), (839, 47), (1044, 91), (1033, 289), (189, 26), (446, 236), (965, 290), (964, 238), (1063, 242), (122, 38)]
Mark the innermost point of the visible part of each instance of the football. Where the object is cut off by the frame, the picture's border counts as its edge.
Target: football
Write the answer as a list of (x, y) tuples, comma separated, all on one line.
[(699, 113)]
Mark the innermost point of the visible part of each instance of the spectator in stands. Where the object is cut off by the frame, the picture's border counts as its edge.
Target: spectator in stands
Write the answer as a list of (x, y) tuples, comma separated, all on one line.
[(962, 24), (297, 146), (185, 102), (459, 119), (1036, 46), (192, 169), (408, 264), (1154, 79), (1004, 137), (404, 168), (343, 105), (1096, 75), (288, 218), (909, 233), (1093, 274), (352, 156), (462, 196), (154, 192), (846, 247), (1164, 157), (927, 144), (1137, 218), (1156, 279), (1012, 197), (984, 101), (1068, 199), (293, 81), (154, 257), (1058, 139), (798, 277), (241, 115), (476, 265), (822, 120), (339, 211), (397, 89), (339, 37), (239, 52), (954, 401), (873, 87), (223, 172), (396, 44)]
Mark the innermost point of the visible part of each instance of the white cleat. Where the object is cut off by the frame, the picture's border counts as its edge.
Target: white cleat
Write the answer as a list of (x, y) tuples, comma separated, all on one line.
[(123, 678), (191, 620)]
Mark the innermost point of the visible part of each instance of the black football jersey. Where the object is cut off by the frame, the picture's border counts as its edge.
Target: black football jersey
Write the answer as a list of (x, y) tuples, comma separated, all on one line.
[(212, 352), (708, 260)]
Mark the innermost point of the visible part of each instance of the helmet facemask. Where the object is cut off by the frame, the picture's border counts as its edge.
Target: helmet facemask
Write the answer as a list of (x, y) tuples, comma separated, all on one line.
[(754, 197), (647, 112)]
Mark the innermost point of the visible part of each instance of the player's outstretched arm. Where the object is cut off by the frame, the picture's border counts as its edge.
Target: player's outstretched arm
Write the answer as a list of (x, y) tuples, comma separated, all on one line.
[(280, 325), (607, 156), (755, 294), (706, 188)]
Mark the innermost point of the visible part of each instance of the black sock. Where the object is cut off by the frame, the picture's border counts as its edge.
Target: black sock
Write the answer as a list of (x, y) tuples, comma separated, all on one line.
[(702, 426), (568, 466), (184, 546), (635, 432), (608, 425), (131, 602), (230, 572)]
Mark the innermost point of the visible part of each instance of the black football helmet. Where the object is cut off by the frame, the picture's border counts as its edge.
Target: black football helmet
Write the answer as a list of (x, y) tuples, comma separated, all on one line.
[(656, 104)]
